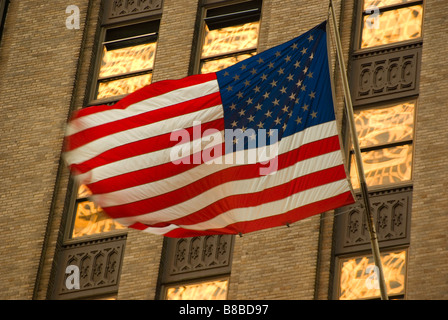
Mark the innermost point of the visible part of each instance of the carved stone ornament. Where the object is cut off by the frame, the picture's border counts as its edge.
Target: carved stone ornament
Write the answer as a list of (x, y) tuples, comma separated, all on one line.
[(189, 258), (120, 10), (89, 269), (391, 211), (385, 74)]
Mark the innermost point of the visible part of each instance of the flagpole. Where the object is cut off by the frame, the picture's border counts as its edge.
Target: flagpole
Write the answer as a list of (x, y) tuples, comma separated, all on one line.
[(358, 159)]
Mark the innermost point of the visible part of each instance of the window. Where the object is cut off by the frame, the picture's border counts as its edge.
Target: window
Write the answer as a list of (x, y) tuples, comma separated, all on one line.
[(230, 35), (390, 21), (386, 140), (127, 60), (125, 64), (358, 280)]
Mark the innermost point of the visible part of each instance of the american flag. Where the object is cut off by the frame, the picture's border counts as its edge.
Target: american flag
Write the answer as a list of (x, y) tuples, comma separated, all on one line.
[(250, 147)]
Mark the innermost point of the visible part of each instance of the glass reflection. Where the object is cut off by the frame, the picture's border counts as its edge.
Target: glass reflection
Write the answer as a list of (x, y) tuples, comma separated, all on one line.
[(394, 25), (213, 290), (384, 166), (230, 39), (357, 274), (122, 86), (129, 59), (385, 125), (219, 64)]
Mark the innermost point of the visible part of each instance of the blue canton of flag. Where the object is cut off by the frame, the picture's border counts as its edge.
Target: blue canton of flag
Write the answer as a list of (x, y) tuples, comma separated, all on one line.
[(283, 90)]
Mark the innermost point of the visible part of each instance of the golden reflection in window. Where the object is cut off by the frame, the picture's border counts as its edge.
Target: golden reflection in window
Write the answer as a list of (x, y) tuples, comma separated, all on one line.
[(90, 218), (383, 3), (84, 192), (384, 166), (129, 59), (219, 64), (386, 125), (230, 39), (213, 290), (122, 86), (357, 275), (394, 25)]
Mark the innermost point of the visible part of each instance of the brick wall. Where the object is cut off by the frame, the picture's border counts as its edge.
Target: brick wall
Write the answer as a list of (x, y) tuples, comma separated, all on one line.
[(38, 59), (428, 255)]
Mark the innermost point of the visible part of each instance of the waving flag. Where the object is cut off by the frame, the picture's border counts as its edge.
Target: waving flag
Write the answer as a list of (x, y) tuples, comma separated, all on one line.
[(250, 147)]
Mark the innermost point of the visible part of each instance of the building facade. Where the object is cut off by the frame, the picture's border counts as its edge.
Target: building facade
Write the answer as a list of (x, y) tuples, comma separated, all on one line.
[(60, 56)]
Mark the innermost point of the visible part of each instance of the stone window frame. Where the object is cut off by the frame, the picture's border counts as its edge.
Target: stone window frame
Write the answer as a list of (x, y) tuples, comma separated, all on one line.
[(109, 22), (148, 37), (248, 8)]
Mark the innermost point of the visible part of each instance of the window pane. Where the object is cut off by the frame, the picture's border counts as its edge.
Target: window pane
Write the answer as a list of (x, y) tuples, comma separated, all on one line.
[(394, 25), (383, 3), (90, 218), (386, 125), (384, 166), (219, 64), (123, 86), (213, 290), (357, 280), (129, 59), (230, 39)]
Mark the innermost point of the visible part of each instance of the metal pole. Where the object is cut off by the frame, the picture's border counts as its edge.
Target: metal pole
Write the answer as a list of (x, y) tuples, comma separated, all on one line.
[(358, 159)]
